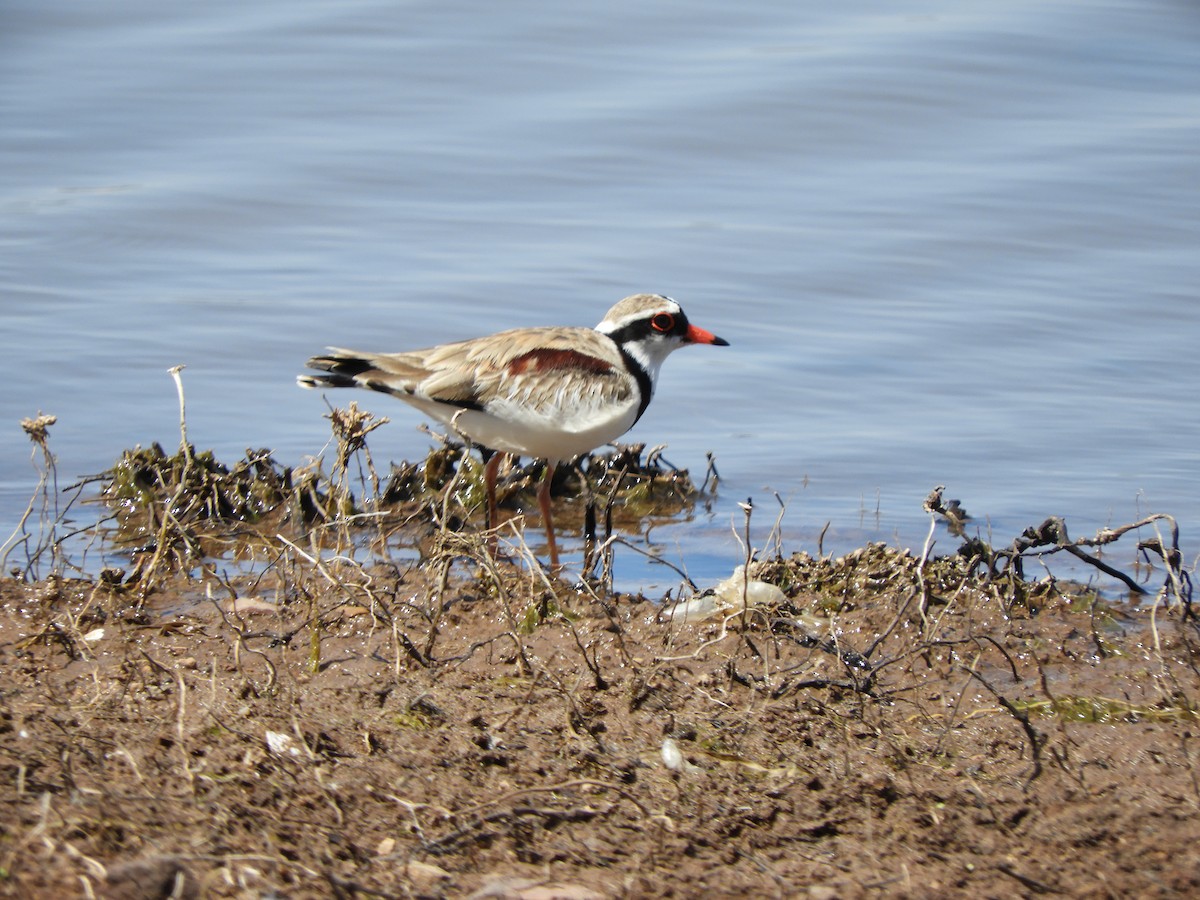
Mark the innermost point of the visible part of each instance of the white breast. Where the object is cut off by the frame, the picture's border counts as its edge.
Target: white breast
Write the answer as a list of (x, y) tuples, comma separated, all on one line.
[(558, 432)]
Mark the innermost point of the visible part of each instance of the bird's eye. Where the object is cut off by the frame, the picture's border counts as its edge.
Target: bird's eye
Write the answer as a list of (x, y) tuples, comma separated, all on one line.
[(663, 322)]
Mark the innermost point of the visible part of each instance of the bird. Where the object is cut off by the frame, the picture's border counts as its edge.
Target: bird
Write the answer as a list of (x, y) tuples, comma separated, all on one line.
[(552, 393)]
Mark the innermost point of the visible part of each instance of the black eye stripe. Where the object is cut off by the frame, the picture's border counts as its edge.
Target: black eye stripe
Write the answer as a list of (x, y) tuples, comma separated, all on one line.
[(641, 328)]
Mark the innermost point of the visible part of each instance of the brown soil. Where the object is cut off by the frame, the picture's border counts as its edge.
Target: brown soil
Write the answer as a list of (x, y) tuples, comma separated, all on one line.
[(358, 731)]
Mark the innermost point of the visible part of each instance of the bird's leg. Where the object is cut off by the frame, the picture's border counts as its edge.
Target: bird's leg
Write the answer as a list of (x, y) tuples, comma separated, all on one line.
[(543, 496), (490, 470)]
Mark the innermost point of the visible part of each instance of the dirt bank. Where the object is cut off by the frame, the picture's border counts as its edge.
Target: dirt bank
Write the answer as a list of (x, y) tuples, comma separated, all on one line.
[(881, 728)]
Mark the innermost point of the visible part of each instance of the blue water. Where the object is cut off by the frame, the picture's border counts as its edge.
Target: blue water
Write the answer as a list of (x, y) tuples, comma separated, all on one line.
[(954, 243)]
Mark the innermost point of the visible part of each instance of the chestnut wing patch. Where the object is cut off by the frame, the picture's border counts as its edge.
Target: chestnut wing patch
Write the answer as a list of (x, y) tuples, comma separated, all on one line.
[(549, 359)]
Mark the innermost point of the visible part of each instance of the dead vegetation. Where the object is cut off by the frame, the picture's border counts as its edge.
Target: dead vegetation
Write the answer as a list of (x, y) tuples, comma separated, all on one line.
[(306, 685)]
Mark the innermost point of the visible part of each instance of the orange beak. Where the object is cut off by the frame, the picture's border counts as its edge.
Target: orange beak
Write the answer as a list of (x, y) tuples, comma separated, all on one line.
[(700, 336)]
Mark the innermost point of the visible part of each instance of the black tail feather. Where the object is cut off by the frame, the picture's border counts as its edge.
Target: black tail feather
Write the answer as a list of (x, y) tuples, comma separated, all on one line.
[(343, 372), (326, 381), (348, 366)]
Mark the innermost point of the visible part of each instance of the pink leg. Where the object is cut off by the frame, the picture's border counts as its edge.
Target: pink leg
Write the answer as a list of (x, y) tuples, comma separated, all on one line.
[(490, 470), (547, 520)]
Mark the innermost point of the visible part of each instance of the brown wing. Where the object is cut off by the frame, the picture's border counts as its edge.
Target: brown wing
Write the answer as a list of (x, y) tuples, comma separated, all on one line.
[(543, 366), (550, 368)]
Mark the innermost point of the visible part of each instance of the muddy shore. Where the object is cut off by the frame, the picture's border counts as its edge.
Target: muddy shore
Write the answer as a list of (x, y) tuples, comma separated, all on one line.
[(524, 738), (328, 719)]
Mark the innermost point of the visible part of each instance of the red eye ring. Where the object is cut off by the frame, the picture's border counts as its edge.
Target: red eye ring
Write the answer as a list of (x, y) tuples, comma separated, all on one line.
[(662, 322)]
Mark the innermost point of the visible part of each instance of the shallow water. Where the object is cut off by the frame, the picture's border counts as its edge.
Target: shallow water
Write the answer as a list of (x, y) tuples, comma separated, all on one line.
[(951, 245)]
